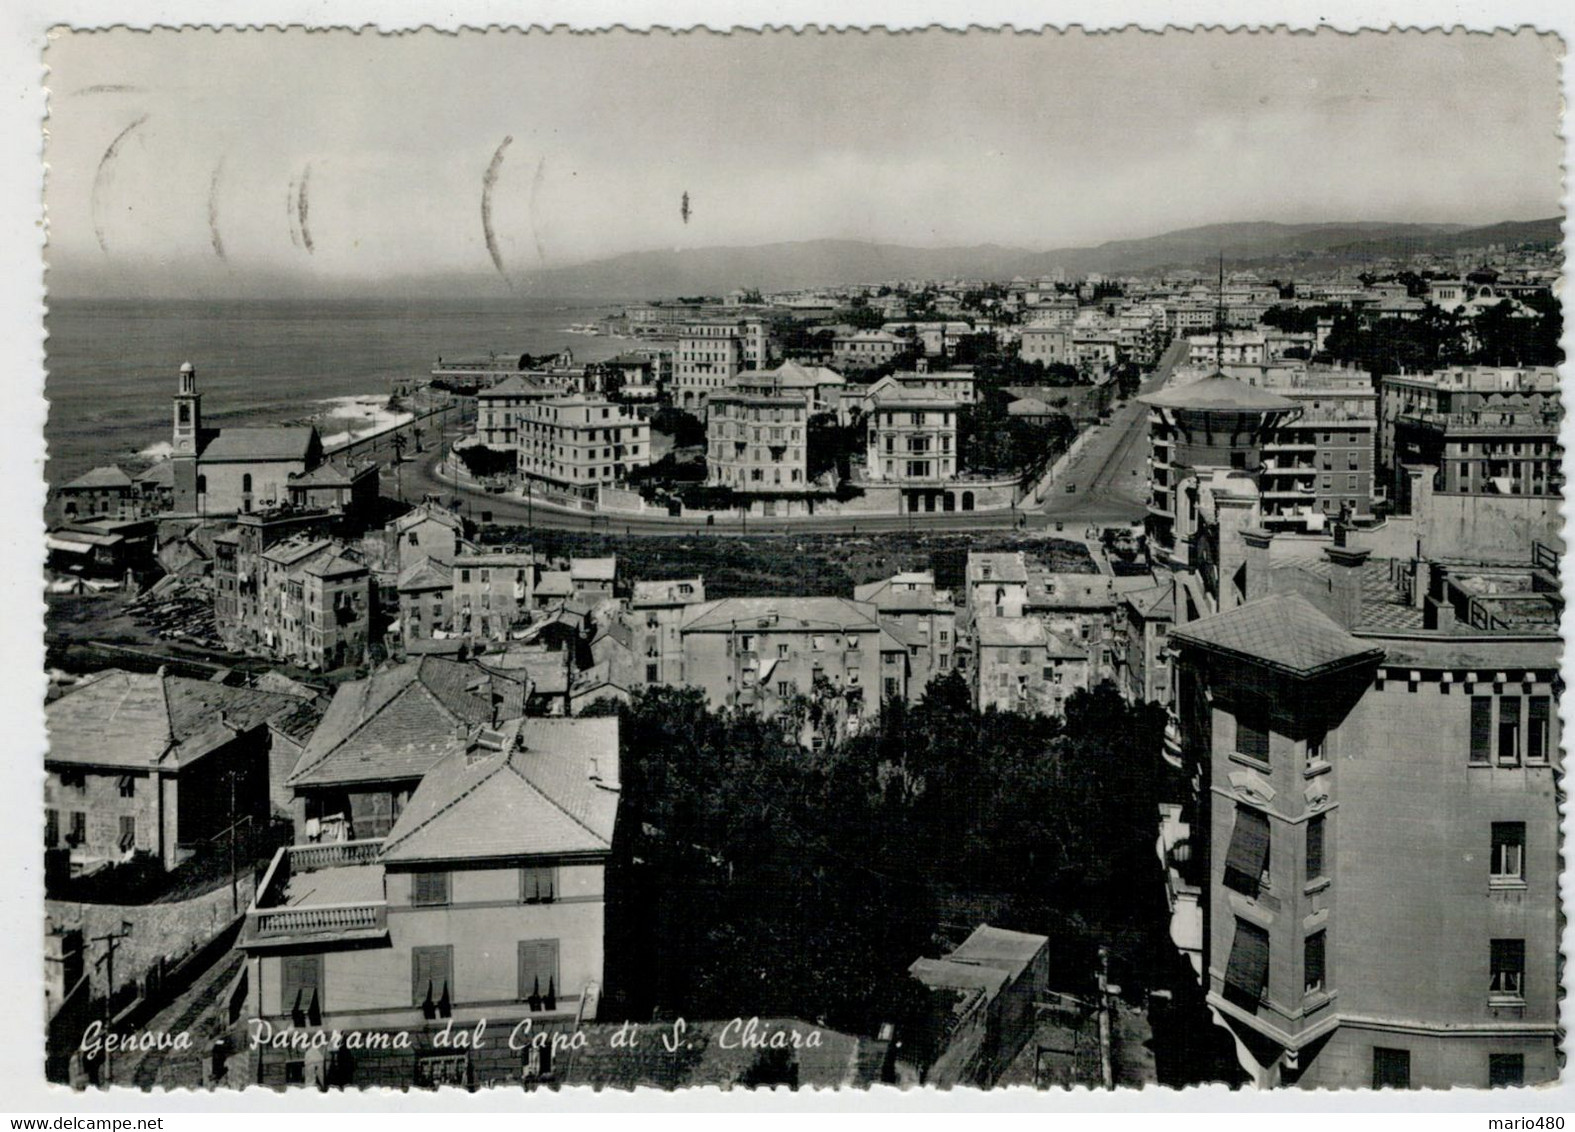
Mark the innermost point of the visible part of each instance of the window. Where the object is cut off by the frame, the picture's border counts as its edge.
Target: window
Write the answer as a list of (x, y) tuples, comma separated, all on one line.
[(128, 833), (1537, 717), (73, 780), (432, 979), (1247, 860), (1313, 963), (78, 834), (782, 652), (651, 674), (1391, 1068), (301, 988), (1506, 1070), (1252, 739), (891, 687), (1247, 973), (1509, 852), (1509, 731), (127, 786), (429, 888), (539, 884), (1508, 959), (51, 828), (1316, 744), (1481, 729), (784, 688), (1315, 863), (538, 969)]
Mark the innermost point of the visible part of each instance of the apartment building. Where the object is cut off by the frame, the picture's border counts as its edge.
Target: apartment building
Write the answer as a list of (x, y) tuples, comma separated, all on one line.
[(766, 653), (578, 444), (996, 583), (485, 901), (1079, 609), (711, 354), (1048, 345), (1376, 835), (758, 442), (1529, 392), (656, 611), (868, 349), (1021, 666), (912, 610), (492, 592), (500, 408), (912, 438)]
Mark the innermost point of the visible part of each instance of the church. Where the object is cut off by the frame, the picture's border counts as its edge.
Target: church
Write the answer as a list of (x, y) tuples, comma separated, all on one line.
[(233, 470)]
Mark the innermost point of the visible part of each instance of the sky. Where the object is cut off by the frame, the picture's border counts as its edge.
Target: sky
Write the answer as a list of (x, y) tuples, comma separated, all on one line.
[(274, 156)]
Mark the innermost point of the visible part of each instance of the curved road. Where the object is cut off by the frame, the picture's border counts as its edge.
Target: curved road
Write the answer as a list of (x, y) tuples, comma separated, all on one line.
[(1108, 478)]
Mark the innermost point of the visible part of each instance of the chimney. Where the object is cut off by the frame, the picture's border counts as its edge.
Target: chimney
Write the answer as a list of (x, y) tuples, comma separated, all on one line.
[(1257, 541), (1345, 570)]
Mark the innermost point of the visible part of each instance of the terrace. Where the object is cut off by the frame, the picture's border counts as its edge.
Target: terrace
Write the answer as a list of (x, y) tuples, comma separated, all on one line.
[(312, 891)]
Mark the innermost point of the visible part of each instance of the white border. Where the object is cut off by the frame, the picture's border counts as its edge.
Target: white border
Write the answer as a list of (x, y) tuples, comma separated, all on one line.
[(22, 107)]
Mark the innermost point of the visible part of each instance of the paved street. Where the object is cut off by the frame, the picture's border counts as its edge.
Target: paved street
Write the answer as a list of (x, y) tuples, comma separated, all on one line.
[(1107, 477)]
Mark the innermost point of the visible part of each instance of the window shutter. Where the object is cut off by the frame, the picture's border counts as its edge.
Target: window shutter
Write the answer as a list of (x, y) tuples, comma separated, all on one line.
[(1249, 851), (538, 967), (433, 975), (1315, 829), (1248, 970), (429, 888), (300, 982), (1481, 729)]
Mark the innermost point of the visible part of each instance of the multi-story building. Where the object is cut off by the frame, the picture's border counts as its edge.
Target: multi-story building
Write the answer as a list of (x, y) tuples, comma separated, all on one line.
[(1048, 345), (869, 349), (106, 492), (578, 444), (772, 654), (1079, 609), (1021, 666), (483, 904), (1420, 397), (491, 592), (244, 611), (996, 584), (1487, 430), (758, 442), (912, 610), (912, 438), (656, 610), (500, 408), (426, 601), (710, 355), (154, 763), (1376, 830), (1141, 650)]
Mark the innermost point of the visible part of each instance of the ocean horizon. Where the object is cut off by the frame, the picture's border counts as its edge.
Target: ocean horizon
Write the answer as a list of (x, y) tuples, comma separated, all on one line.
[(111, 364)]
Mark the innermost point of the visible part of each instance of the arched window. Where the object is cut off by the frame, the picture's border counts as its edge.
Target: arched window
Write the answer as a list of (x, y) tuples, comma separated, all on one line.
[(246, 484)]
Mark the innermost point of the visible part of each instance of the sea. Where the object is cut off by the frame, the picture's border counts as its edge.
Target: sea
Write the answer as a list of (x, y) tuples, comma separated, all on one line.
[(112, 364)]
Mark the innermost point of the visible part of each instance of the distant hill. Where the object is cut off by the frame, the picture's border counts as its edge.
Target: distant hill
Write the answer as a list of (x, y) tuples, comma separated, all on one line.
[(1289, 249), (816, 263)]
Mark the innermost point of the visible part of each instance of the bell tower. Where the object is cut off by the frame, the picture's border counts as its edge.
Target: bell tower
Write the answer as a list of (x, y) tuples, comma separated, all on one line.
[(188, 412), (186, 440)]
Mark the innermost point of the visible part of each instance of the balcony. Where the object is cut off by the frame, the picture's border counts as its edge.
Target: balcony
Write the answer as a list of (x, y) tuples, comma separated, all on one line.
[(328, 891)]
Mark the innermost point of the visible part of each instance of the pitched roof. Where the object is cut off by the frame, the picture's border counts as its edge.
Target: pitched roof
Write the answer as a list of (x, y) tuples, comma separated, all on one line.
[(1284, 631), (536, 795), (779, 614), (399, 722), (110, 475), (999, 948), (426, 574), (324, 475), (333, 564), (242, 444), (161, 474), (148, 720), (1157, 602)]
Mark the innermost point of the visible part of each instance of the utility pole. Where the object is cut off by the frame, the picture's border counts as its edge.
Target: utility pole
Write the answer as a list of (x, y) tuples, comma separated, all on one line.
[(235, 899), (110, 939), (1106, 1069)]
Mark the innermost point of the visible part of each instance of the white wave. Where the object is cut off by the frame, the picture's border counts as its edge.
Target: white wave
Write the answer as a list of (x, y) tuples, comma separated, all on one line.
[(159, 451)]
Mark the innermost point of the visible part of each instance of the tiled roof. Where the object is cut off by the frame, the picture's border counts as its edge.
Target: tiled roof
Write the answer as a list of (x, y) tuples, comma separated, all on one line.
[(324, 475), (399, 722), (1010, 632), (242, 444), (1285, 631), (161, 474), (780, 614), (1157, 602), (298, 724), (333, 564), (426, 574), (108, 476), (1005, 566), (136, 719), (535, 797)]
